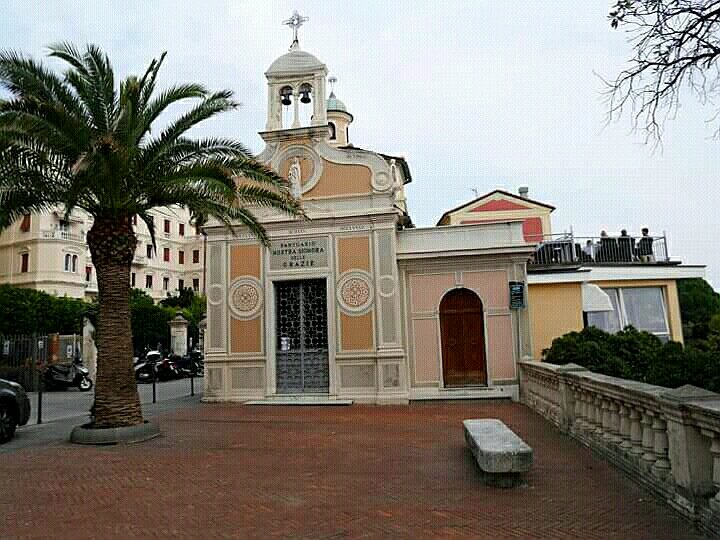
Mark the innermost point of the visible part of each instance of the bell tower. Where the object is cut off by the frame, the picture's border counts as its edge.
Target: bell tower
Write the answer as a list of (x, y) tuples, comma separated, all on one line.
[(296, 84)]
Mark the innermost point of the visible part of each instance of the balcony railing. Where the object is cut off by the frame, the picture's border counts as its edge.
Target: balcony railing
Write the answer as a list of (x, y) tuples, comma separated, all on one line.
[(568, 249), (59, 234)]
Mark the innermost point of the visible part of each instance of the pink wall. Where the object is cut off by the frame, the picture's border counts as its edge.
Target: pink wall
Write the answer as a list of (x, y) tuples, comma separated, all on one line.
[(426, 292)]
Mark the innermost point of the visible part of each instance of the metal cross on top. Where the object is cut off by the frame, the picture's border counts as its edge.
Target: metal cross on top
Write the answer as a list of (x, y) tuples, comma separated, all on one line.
[(295, 22)]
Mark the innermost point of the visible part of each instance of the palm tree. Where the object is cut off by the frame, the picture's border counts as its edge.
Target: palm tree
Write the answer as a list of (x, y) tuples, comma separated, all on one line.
[(75, 140)]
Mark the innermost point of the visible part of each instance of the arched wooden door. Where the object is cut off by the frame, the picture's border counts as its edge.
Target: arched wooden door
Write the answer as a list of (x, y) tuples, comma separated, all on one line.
[(463, 339)]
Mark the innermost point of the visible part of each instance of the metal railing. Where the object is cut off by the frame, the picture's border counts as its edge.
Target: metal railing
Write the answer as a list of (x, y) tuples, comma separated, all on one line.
[(568, 249)]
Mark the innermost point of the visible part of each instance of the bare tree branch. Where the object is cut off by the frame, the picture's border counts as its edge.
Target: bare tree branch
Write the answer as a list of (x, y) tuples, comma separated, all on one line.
[(676, 46)]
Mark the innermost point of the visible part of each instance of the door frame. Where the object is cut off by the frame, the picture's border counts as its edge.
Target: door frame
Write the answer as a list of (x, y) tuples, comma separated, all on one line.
[(271, 326), (488, 380)]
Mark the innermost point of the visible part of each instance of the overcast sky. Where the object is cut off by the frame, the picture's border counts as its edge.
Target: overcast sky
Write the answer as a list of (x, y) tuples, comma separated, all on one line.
[(475, 94)]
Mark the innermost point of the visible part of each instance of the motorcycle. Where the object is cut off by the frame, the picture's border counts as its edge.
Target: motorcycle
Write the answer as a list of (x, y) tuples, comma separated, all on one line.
[(191, 364), (68, 376), (156, 367)]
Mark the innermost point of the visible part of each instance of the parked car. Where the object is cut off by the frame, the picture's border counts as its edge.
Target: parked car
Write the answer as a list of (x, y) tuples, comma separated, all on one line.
[(14, 408)]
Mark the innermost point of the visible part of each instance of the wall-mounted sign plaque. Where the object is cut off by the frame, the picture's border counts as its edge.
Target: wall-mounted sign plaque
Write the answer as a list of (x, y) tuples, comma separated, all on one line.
[(517, 295), (300, 253)]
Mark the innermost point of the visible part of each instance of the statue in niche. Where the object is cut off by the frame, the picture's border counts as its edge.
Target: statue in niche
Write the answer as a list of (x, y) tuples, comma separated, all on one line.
[(295, 178)]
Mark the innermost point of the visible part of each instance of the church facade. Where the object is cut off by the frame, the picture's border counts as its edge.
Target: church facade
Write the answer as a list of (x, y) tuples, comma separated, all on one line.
[(355, 302)]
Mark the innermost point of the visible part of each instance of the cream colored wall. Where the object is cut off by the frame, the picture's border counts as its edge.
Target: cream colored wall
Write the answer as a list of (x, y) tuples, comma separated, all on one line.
[(424, 294), (47, 247), (555, 310)]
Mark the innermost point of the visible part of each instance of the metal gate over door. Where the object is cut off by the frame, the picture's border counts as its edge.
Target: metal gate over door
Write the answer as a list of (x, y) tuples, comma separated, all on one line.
[(301, 337)]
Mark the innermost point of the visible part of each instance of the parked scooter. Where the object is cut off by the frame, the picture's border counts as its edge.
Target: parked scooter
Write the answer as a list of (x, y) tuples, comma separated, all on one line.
[(67, 376), (156, 367), (191, 364)]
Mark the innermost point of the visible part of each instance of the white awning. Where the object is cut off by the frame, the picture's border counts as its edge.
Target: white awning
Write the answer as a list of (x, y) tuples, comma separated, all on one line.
[(595, 299)]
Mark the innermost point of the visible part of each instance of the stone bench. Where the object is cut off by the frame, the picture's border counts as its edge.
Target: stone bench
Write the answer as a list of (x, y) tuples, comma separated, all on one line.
[(502, 456)]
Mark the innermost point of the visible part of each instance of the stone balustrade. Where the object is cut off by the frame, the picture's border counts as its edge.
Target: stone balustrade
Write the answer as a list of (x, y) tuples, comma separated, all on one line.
[(667, 439)]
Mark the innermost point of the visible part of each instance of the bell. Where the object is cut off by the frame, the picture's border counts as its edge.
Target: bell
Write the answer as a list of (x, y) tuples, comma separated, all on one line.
[(286, 100), (285, 94), (305, 97)]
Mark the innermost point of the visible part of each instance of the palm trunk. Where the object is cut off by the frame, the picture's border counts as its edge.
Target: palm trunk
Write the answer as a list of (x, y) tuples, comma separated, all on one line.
[(112, 245)]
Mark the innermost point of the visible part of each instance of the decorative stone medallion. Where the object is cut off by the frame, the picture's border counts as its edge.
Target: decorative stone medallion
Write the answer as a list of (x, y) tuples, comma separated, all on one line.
[(304, 154), (245, 298), (355, 292)]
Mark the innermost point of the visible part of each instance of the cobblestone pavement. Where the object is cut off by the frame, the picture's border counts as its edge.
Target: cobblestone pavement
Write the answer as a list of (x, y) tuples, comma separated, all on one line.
[(233, 471)]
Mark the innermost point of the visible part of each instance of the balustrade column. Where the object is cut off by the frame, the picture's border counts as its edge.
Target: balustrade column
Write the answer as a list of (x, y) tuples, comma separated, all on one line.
[(648, 438), (661, 467), (598, 406), (624, 413), (614, 423), (715, 451), (577, 401), (606, 420), (636, 432)]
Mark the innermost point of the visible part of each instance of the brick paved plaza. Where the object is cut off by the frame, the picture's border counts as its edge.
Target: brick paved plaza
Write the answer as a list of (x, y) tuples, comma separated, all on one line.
[(232, 471)]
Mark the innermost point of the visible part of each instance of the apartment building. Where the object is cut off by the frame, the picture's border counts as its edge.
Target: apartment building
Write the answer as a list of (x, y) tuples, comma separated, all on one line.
[(49, 252)]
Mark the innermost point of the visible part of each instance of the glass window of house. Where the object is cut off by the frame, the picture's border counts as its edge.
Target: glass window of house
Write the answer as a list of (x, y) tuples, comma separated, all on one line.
[(607, 320), (25, 262), (166, 283), (148, 282), (167, 226), (196, 256), (181, 284), (645, 309), (132, 279), (181, 229), (74, 263), (166, 254), (67, 262), (196, 284), (641, 307), (88, 273), (181, 257), (148, 251)]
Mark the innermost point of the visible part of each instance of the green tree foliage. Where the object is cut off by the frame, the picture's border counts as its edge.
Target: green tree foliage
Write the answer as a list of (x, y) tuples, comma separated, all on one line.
[(149, 322), (640, 356), (699, 303), (27, 311), (191, 306)]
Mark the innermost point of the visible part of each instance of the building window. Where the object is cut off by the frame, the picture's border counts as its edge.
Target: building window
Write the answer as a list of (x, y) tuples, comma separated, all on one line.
[(331, 127), (24, 262), (132, 279), (25, 224), (88, 273), (67, 262), (148, 282), (196, 256), (149, 251), (166, 254), (196, 284), (167, 226), (166, 283), (181, 257), (181, 229), (181, 284), (74, 264), (640, 307)]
